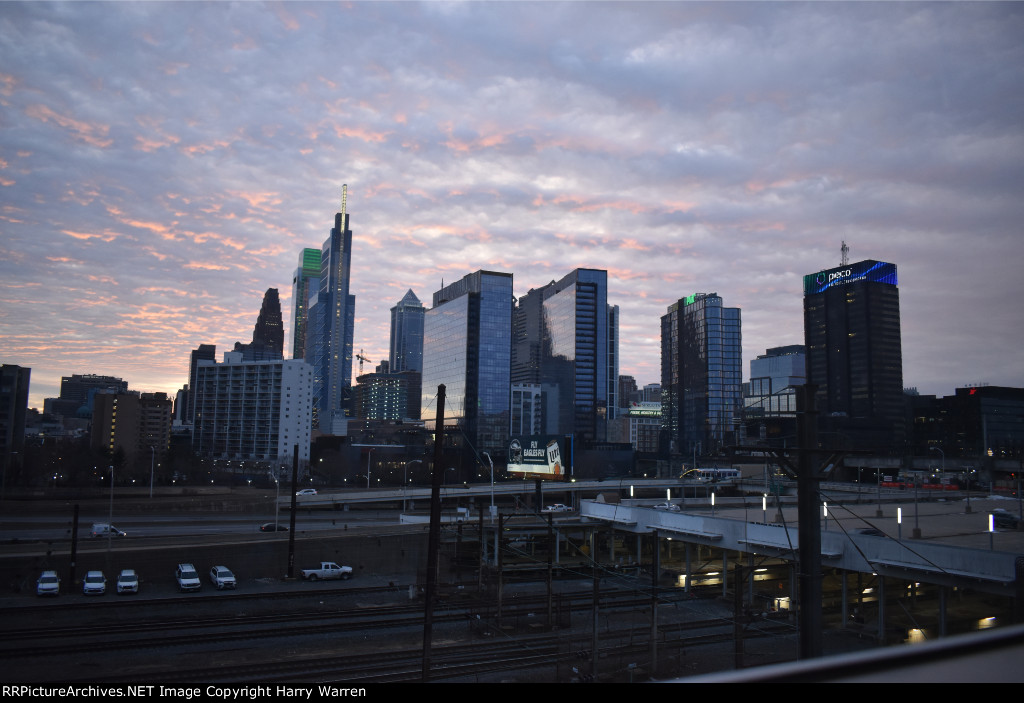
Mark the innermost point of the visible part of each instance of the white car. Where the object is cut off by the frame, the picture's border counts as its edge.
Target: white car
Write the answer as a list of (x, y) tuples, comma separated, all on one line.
[(128, 581), (95, 584), (48, 584), (557, 508), (221, 577), (187, 578), (306, 492), (672, 507)]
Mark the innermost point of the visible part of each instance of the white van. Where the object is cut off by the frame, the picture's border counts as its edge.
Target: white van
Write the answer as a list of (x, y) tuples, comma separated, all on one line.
[(103, 529)]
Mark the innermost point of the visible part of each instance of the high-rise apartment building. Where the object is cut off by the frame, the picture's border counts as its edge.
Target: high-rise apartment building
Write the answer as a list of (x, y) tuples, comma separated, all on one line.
[(854, 357), (332, 323), (701, 375), (467, 347), (407, 334), (253, 410), (268, 334), (305, 284), (562, 342)]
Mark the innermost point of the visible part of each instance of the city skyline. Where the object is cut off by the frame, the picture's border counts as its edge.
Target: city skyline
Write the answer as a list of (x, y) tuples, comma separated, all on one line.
[(162, 165)]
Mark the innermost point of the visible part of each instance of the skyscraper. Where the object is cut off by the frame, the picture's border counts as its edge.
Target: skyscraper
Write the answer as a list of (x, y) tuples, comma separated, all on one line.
[(268, 334), (701, 375), (334, 319), (305, 283), (562, 342), (467, 347), (854, 356), (407, 334)]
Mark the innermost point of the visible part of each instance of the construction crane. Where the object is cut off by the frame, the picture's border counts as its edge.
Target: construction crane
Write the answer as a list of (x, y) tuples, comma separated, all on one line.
[(361, 360)]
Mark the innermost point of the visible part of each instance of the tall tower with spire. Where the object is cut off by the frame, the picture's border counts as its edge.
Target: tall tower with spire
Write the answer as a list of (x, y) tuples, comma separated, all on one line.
[(334, 326)]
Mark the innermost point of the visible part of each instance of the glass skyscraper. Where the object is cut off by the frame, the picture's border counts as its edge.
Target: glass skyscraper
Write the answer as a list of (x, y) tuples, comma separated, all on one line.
[(467, 347), (701, 375), (334, 320), (407, 334), (562, 342), (305, 282), (854, 356)]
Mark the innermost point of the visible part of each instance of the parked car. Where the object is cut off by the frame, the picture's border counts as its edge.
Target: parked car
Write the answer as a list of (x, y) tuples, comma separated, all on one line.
[(221, 577), (187, 578), (328, 570), (672, 507), (1004, 518), (306, 492), (103, 529), (557, 508), (127, 581), (95, 584), (48, 584), (273, 527)]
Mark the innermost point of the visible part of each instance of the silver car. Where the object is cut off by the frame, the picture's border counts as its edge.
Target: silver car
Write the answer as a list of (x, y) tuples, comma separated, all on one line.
[(221, 577), (128, 581)]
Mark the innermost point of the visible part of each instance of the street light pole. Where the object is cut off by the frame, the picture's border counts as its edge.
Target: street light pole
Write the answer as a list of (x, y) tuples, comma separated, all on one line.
[(489, 461), (152, 467)]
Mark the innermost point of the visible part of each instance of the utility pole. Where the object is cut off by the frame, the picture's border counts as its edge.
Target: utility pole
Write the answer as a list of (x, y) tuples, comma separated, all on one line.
[(434, 539)]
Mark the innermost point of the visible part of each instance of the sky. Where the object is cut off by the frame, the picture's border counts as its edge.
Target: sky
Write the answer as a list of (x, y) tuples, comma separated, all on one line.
[(163, 164)]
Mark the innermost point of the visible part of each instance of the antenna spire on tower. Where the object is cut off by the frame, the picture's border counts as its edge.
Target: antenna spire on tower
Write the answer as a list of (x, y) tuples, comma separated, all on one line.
[(344, 197), (846, 254)]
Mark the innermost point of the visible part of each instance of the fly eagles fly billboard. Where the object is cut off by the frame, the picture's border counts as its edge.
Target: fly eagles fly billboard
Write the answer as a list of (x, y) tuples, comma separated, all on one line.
[(876, 271), (541, 456)]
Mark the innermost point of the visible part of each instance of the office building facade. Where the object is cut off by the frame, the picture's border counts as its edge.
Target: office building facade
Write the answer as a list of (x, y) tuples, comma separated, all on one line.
[(467, 347), (407, 335), (14, 382), (854, 356), (333, 326), (305, 284), (563, 342), (701, 376)]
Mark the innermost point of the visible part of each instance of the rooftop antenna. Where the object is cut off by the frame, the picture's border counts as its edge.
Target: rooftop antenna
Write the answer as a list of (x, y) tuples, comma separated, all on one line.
[(344, 197), (846, 254)]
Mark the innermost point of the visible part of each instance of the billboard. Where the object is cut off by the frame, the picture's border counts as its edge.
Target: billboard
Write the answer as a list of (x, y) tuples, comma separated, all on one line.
[(541, 456), (876, 271)]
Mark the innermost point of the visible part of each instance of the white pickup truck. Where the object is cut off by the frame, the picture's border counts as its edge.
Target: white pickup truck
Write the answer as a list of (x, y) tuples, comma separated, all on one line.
[(327, 570)]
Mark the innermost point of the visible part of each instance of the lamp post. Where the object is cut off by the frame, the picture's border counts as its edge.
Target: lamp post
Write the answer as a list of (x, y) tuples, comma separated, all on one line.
[(369, 455), (152, 467), (942, 474), (405, 480)]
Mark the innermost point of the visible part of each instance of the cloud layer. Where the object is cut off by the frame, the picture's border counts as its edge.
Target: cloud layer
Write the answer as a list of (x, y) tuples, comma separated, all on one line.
[(161, 165)]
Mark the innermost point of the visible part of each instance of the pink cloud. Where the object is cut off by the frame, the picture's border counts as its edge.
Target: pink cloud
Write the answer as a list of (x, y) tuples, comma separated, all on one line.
[(94, 134)]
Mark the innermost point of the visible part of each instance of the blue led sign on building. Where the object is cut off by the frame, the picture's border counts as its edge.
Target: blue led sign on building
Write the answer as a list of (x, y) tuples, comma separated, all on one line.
[(875, 271)]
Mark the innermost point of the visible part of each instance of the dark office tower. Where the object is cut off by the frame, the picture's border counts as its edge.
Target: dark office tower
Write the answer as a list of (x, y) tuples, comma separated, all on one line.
[(407, 334), (268, 335), (13, 410), (77, 392), (852, 336), (701, 376), (562, 342), (305, 283), (467, 347), (205, 352), (331, 351)]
